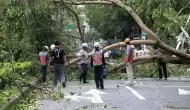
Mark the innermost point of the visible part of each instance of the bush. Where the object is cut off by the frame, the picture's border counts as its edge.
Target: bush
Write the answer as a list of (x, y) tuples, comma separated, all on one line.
[(20, 70), (23, 72)]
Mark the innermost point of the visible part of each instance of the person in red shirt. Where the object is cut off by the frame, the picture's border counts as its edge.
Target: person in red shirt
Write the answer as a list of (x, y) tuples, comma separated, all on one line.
[(129, 59), (43, 56)]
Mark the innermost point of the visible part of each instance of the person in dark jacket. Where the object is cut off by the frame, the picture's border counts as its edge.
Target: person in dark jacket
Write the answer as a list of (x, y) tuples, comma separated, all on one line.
[(58, 59), (97, 60)]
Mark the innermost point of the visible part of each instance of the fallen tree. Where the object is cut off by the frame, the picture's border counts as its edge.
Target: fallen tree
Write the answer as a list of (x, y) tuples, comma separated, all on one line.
[(155, 58), (181, 56), (116, 45)]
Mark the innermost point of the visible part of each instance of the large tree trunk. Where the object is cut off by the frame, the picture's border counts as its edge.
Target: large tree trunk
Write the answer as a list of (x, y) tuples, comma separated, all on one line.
[(165, 58), (116, 45), (149, 59)]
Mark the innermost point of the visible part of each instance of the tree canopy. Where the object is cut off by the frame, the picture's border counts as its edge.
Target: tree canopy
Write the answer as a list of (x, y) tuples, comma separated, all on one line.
[(162, 16)]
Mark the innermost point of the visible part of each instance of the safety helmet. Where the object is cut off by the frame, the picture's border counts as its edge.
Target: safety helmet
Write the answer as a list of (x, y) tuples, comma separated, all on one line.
[(46, 48), (127, 40), (96, 44), (84, 45), (52, 46)]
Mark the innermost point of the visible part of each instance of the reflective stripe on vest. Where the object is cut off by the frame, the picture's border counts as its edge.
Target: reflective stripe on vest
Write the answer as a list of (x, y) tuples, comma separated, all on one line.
[(131, 54), (43, 59), (97, 58)]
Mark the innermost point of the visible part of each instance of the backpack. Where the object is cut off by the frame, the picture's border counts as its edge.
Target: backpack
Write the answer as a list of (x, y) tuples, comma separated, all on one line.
[(56, 50)]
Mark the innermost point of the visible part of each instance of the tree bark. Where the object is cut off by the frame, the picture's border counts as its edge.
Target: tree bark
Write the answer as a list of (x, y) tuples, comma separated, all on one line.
[(169, 59), (134, 42), (77, 19), (149, 59), (159, 43), (89, 3)]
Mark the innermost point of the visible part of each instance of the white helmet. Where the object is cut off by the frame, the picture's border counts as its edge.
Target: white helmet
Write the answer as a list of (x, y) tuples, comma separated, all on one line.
[(96, 44), (52, 46), (46, 47), (84, 45)]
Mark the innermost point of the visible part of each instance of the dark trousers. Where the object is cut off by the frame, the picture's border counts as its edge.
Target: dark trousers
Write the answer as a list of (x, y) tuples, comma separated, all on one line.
[(84, 72), (99, 76), (44, 72), (59, 74), (162, 70)]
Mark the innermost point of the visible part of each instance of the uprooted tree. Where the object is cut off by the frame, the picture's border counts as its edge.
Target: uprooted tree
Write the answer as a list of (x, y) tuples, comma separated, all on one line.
[(182, 57)]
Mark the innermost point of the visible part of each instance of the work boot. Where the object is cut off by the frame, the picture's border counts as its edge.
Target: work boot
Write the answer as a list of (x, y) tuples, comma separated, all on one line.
[(63, 84), (130, 83), (80, 79), (97, 87), (102, 87), (85, 82)]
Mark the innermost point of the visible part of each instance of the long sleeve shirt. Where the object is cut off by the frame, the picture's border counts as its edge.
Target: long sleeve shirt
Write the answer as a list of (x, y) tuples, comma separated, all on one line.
[(84, 56)]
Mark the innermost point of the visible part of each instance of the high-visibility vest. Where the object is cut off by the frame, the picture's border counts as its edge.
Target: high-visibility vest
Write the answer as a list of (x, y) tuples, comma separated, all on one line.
[(43, 58), (131, 55), (97, 58)]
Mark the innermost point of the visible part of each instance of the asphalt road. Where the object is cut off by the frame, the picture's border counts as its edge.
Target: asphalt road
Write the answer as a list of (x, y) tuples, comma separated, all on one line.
[(144, 95)]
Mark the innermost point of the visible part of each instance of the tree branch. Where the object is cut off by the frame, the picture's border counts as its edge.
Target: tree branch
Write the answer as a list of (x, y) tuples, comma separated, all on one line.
[(149, 59), (72, 36), (67, 47), (135, 42), (89, 3), (60, 33), (182, 9), (159, 43), (77, 18)]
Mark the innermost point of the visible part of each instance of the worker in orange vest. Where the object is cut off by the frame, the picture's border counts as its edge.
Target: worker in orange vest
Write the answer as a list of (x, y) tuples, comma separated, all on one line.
[(129, 59), (97, 60), (44, 62)]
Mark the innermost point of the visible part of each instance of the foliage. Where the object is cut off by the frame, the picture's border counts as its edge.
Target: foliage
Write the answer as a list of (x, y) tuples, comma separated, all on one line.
[(28, 104), (109, 21), (23, 72), (162, 16), (151, 70), (26, 26)]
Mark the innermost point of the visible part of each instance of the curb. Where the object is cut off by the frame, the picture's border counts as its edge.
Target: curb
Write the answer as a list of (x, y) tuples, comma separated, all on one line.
[(168, 79), (15, 100)]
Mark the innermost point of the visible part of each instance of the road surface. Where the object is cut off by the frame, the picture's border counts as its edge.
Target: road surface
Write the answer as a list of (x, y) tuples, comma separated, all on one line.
[(144, 95)]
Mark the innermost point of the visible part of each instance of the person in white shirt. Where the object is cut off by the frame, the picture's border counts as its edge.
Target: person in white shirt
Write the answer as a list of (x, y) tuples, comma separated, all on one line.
[(107, 55), (84, 62)]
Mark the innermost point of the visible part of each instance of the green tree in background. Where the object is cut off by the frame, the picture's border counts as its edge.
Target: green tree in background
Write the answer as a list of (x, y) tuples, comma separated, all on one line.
[(26, 26), (110, 21), (162, 16)]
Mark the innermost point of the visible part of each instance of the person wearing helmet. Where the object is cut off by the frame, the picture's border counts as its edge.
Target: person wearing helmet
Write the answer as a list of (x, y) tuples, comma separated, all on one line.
[(43, 56), (129, 56), (52, 47), (84, 62), (58, 58), (97, 60)]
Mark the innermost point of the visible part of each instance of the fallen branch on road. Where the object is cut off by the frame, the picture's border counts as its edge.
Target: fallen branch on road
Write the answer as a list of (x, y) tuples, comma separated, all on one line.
[(149, 59)]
